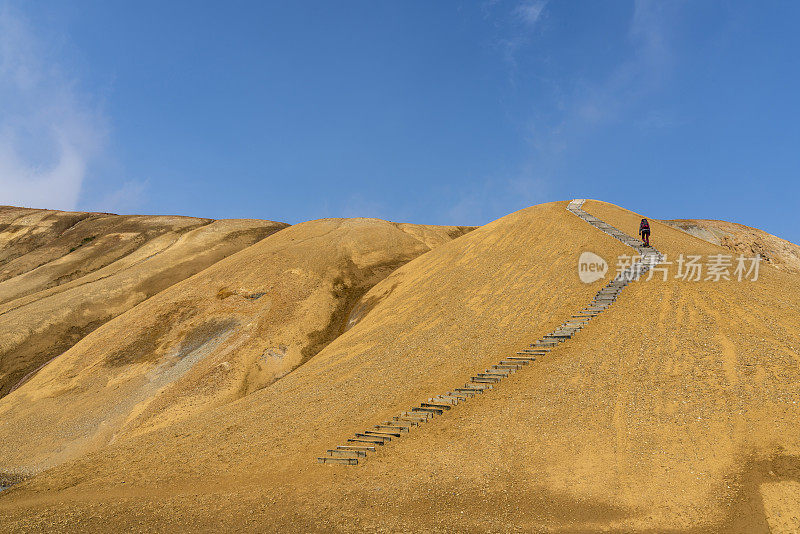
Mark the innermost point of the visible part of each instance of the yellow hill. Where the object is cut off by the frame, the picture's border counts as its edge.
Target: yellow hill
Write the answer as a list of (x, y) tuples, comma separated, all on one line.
[(226, 332), (742, 239), (675, 410), (64, 274)]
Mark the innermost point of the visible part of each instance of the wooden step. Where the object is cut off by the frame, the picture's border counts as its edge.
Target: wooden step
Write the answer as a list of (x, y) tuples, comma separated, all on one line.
[(370, 435), (467, 390), (365, 440), (431, 410), (444, 399), (501, 372), (345, 453), (391, 428), (390, 433), (481, 387), (436, 406), (410, 419), (511, 366), (462, 394), (403, 422), (479, 380), (421, 415), (503, 368), (364, 448), (509, 360), (340, 461), (491, 375)]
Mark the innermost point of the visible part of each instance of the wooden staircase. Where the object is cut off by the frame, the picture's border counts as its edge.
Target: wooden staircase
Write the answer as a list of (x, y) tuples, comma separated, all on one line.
[(370, 440)]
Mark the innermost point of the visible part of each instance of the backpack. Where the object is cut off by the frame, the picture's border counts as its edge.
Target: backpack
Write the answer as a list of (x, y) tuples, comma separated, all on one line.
[(644, 225)]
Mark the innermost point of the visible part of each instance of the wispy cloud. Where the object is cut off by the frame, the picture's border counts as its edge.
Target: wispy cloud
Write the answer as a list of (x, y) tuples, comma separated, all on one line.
[(50, 132), (619, 94), (649, 33), (484, 201), (127, 198), (570, 109), (522, 20), (529, 12)]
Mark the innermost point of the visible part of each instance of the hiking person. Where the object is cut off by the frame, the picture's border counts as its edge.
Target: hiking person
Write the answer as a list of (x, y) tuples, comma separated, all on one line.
[(644, 231)]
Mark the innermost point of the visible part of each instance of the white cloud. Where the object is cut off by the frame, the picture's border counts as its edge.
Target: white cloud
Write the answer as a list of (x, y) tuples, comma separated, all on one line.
[(622, 93), (649, 32), (529, 12), (49, 132), (125, 199), (573, 109), (484, 201)]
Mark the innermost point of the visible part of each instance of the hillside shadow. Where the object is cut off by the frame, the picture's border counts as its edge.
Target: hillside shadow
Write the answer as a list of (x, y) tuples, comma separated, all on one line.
[(748, 513)]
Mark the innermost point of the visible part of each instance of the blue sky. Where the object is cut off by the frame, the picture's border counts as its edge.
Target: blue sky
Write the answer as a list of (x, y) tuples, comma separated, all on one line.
[(429, 112)]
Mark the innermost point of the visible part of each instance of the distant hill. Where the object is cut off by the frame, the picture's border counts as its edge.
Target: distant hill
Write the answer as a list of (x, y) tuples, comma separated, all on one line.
[(742, 239), (64, 274)]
